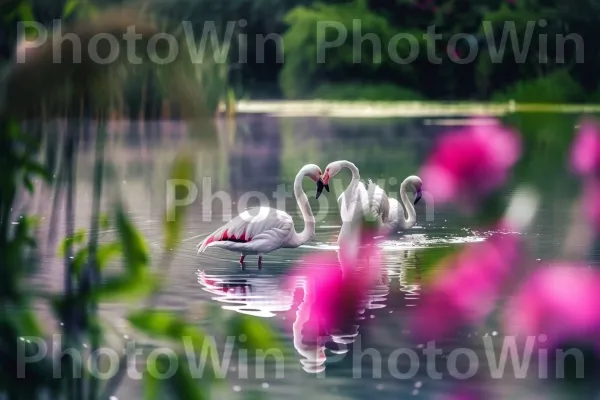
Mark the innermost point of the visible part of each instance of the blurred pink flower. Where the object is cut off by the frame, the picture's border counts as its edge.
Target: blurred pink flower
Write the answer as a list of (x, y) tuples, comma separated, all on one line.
[(466, 289), (585, 151), (332, 295), (560, 301), (471, 162), (336, 285)]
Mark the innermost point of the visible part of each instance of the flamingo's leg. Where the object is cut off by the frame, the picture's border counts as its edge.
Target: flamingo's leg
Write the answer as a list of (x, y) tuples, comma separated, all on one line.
[(242, 259), (260, 261)]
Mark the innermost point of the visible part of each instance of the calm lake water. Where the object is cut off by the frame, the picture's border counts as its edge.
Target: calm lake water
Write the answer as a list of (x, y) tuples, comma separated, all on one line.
[(261, 154)]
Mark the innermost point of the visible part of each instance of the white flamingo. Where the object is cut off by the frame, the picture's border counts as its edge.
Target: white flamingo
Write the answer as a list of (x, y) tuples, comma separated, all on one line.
[(261, 230), (372, 200), (396, 218)]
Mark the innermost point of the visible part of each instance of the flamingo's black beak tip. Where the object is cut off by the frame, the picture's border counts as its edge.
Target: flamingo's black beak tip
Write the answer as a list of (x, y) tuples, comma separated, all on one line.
[(320, 187), (417, 197)]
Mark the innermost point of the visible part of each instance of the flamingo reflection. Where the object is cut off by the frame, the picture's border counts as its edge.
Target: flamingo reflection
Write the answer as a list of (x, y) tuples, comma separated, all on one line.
[(257, 296)]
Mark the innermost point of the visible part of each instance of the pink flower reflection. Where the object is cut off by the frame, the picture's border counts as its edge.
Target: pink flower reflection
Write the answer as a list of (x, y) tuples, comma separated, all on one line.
[(333, 295), (585, 151), (335, 286), (560, 301), (466, 289), (470, 162)]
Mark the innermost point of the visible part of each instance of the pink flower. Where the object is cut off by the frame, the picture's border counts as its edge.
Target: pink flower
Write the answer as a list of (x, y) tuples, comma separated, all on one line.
[(333, 296), (336, 286), (585, 151), (467, 288), (560, 301), (471, 162)]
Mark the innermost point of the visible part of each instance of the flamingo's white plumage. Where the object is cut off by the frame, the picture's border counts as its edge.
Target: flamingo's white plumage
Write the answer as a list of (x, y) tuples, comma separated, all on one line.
[(373, 202), (397, 219), (261, 230)]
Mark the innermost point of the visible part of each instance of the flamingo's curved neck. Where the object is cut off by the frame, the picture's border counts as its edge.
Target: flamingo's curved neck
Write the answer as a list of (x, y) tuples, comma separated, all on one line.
[(308, 232), (355, 174), (409, 219)]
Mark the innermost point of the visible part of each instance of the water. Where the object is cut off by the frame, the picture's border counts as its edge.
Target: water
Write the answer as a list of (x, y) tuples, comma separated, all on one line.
[(259, 156)]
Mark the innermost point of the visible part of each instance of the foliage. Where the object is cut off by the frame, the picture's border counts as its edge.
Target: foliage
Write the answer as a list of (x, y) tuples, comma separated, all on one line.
[(380, 92), (475, 66), (557, 87), (309, 61), (61, 91)]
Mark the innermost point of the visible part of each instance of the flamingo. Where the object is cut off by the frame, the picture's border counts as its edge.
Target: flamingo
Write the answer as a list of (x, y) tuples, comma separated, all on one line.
[(372, 201), (261, 230), (396, 218)]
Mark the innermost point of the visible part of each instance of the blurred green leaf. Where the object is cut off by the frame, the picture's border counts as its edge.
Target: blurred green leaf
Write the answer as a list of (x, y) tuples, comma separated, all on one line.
[(151, 382), (135, 249), (23, 319), (182, 384), (25, 11), (104, 222), (106, 252), (77, 238), (183, 169), (126, 287), (36, 168), (79, 260), (258, 334), (166, 325), (70, 7), (28, 183)]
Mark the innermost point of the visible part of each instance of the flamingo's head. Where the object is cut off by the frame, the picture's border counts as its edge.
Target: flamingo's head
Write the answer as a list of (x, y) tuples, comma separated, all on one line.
[(417, 185), (316, 175), (331, 170)]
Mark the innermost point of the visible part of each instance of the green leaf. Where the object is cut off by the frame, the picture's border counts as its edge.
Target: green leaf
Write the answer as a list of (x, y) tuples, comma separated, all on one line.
[(106, 252), (135, 249), (38, 169), (24, 321), (70, 7), (182, 384), (79, 260), (151, 382), (167, 325), (77, 238), (104, 222), (25, 11), (258, 334), (183, 169), (126, 287), (28, 183)]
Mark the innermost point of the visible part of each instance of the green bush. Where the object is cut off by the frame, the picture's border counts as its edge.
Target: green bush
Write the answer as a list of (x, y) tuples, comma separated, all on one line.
[(557, 87), (369, 92), (304, 69)]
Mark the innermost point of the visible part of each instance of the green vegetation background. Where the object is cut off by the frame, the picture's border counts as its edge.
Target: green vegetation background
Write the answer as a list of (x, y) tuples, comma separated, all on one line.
[(563, 73)]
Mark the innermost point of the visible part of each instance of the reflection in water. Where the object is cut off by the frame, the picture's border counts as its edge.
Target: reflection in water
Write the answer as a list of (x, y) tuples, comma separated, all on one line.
[(258, 296), (310, 347), (313, 334), (259, 153)]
